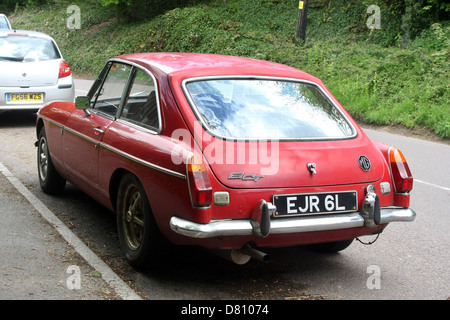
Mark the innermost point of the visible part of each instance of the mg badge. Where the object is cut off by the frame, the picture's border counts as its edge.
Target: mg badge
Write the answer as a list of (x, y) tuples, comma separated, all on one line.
[(364, 163)]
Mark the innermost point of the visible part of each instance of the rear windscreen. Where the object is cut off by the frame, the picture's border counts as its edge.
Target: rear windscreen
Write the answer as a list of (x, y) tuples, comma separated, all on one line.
[(27, 49), (266, 109)]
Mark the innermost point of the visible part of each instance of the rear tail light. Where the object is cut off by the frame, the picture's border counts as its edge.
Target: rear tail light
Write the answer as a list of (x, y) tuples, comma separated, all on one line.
[(64, 70), (403, 180), (199, 185)]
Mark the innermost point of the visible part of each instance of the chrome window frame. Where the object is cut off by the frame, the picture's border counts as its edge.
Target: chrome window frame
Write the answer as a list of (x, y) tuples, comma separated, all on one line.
[(126, 91), (250, 77)]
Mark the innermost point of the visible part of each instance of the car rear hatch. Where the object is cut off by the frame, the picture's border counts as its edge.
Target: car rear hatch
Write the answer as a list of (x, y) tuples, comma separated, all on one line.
[(29, 74), (314, 141)]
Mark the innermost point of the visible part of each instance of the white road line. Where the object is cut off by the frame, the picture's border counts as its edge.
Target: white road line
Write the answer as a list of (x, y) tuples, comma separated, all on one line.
[(432, 184), (121, 288)]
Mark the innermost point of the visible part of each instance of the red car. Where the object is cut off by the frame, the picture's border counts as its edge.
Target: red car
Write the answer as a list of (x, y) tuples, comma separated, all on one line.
[(223, 152)]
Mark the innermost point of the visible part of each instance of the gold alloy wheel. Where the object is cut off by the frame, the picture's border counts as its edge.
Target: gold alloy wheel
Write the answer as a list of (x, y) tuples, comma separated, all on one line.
[(133, 217)]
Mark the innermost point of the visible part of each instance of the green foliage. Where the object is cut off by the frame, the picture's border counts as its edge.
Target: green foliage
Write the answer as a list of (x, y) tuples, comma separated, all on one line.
[(406, 19), (393, 86), (7, 6), (142, 9)]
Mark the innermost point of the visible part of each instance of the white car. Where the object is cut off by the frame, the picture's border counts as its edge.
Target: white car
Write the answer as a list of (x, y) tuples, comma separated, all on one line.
[(4, 22), (32, 71)]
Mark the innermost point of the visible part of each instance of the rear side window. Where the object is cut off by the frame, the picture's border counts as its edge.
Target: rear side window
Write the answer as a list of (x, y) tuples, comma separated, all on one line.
[(141, 106), (27, 49)]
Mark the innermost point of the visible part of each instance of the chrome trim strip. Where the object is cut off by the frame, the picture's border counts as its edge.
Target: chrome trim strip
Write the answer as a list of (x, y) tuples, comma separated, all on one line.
[(82, 136), (51, 121), (144, 163), (218, 228), (123, 154)]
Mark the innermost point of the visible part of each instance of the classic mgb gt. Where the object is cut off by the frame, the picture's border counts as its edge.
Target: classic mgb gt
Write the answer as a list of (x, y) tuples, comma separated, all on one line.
[(223, 152)]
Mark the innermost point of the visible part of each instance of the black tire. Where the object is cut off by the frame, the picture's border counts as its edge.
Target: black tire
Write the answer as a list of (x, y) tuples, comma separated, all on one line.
[(50, 180), (142, 243), (331, 247)]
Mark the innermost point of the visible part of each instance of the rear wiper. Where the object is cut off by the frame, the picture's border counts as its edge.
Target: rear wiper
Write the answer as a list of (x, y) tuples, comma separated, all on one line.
[(11, 58)]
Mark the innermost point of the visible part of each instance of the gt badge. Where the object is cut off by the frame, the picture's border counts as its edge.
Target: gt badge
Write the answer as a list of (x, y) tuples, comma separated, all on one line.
[(244, 177), (364, 163)]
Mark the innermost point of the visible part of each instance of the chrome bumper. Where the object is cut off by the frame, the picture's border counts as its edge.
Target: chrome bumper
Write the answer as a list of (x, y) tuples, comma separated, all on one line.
[(220, 228)]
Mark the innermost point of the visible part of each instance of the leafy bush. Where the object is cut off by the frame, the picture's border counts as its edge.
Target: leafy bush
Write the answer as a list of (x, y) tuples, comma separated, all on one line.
[(9, 5), (405, 19), (142, 9)]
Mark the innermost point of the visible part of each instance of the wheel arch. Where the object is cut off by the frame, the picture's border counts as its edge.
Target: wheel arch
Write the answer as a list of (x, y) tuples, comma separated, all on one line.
[(114, 186), (39, 126)]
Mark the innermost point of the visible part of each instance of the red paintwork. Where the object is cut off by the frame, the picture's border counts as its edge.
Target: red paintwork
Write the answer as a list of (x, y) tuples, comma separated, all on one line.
[(94, 171)]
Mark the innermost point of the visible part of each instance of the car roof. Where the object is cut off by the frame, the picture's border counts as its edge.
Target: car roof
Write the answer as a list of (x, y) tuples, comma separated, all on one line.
[(7, 32), (189, 65)]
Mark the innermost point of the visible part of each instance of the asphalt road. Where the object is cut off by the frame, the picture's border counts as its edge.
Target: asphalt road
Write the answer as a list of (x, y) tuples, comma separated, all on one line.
[(408, 260)]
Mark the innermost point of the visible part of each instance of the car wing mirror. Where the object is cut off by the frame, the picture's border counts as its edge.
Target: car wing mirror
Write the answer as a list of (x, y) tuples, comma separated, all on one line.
[(83, 103)]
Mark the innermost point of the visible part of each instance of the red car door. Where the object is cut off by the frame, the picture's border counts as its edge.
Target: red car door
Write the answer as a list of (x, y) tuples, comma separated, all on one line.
[(81, 140), (85, 129)]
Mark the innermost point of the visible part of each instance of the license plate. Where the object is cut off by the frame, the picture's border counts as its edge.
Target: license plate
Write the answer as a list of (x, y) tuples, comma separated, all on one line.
[(24, 97), (315, 203)]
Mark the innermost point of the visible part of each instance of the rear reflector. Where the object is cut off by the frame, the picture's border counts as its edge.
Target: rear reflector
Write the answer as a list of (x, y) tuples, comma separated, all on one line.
[(403, 180), (199, 185), (64, 70)]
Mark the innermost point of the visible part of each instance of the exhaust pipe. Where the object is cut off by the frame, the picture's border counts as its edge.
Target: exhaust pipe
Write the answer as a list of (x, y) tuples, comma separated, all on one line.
[(255, 254), (243, 255)]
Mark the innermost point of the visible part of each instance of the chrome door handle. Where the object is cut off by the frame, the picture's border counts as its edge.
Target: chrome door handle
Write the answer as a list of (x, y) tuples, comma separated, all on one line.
[(98, 130)]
